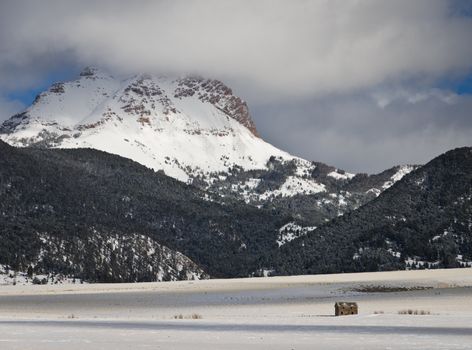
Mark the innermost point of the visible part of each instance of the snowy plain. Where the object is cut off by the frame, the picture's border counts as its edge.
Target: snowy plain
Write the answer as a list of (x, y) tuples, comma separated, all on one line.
[(258, 313)]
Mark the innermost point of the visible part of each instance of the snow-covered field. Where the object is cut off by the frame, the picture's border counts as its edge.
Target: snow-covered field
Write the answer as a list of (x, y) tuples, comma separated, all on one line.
[(259, 313)]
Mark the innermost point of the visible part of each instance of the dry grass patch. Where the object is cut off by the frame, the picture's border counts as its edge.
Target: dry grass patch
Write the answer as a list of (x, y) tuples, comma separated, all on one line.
[(193, 316), (388, 289), (414, 312)]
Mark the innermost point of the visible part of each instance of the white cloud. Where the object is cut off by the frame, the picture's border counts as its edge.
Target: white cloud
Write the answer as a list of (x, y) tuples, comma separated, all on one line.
[(385, 97), (267, 47)]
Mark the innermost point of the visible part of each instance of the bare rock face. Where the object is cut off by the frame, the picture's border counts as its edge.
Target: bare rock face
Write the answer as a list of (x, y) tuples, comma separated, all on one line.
[(89, 72), (142, 96), (219, 95), (57, 88)]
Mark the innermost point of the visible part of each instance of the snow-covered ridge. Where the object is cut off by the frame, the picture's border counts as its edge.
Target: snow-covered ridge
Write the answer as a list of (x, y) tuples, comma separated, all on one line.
[(294, 185), (401, 172), (341, 175)]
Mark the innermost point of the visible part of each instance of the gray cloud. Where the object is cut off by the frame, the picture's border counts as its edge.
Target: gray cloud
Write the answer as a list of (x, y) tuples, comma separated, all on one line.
[(354, 132)]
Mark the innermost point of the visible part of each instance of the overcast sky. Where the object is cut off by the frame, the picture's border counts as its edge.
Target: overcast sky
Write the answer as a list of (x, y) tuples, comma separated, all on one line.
[(362, 85)]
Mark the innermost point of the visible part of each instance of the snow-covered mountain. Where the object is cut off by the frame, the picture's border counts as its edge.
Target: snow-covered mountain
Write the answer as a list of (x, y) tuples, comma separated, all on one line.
[(183, 126), (193, 129)]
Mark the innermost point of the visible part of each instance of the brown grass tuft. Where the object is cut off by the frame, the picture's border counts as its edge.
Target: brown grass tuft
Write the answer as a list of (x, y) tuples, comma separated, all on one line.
[(193, 316), (414, 312)]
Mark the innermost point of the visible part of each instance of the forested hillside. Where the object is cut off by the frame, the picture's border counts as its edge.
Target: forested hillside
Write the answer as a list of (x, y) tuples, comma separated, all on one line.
[(423, 221)]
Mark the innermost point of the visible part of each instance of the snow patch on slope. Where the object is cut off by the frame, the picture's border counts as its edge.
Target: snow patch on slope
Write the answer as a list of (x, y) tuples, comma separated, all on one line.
[(291, 231), (10, 276), (341, 176), (295, 185), (401, 172)]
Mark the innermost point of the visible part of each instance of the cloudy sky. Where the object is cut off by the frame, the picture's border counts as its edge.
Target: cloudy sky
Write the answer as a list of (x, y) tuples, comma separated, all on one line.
[(362, 85)]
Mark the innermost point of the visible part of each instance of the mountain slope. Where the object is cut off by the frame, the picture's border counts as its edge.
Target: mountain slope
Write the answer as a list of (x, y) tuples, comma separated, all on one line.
[(424, 220), (101, 217), (91, 206)]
